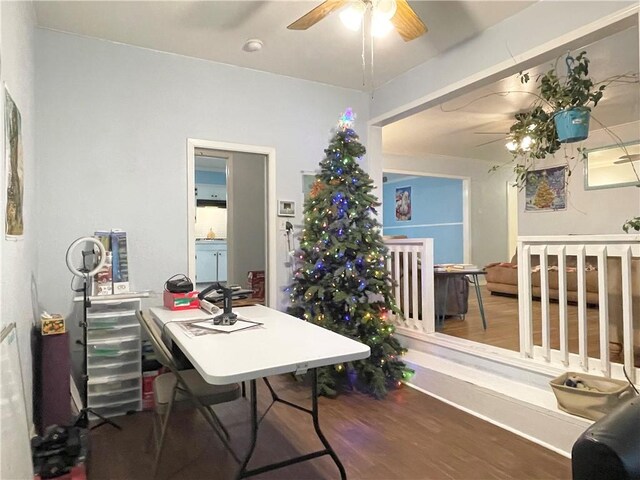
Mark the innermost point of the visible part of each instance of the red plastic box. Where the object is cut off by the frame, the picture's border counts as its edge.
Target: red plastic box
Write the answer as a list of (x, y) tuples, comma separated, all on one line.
[(181, 301), (148, 402)]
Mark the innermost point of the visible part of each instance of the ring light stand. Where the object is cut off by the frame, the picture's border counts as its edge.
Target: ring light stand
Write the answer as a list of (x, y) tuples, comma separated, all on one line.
[(83, 417)]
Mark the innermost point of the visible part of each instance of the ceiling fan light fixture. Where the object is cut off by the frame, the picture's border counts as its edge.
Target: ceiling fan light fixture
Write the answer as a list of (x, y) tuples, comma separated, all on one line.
[(380, 25), (386, 8), (511, 146), (352, 16)]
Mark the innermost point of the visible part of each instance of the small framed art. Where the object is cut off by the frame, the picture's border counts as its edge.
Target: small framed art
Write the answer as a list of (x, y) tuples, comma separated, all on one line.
[(286, 208)]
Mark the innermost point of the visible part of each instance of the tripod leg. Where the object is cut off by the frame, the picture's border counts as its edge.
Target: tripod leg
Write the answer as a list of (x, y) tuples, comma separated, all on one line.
[(104, 420)]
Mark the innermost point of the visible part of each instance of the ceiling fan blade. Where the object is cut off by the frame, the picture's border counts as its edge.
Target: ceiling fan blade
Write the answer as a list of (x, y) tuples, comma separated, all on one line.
[(317, 14), (634, 157), (407, 23), (489, 142)]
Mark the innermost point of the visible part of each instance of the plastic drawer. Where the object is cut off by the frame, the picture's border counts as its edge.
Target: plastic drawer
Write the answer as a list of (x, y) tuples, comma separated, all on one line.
[(114, 398), (112, 348), (119, 332), (111, 319), (113, 384), (110, 370), (117, 410), (123, 356)]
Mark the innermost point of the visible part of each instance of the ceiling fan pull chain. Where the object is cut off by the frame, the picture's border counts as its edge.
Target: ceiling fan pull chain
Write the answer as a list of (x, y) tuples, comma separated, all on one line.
[(371, 68), (364, 62)]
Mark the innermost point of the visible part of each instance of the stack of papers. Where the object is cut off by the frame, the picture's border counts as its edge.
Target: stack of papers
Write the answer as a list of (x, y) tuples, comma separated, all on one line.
[(240, 324), (452, 267)]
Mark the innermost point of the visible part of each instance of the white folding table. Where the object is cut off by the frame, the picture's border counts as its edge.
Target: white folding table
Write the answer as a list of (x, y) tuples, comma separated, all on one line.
[(282, 344)]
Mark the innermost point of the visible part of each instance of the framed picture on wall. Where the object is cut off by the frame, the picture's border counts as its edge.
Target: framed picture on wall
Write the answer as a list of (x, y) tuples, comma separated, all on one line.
[(14, 168), (546, 190), (308, 179), (403, 204)]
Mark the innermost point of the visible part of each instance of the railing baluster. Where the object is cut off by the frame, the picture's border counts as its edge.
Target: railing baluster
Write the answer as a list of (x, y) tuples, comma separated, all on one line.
[(396, 277), (428, 295), (603, 310), (544, 299), (562, 306), (582, 310), (405, 281), (415, 274), (524, 300), (627, 314)]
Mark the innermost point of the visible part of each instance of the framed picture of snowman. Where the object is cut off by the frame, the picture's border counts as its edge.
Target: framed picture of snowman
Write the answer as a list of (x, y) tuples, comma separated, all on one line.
[(403, 204)]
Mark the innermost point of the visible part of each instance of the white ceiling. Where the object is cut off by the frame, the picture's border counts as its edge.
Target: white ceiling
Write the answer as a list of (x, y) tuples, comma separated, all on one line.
[(327, 52), (452, 128)]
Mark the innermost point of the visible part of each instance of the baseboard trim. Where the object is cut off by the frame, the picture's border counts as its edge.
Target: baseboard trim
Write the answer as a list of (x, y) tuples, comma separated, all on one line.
[(493, 422), (507, 397)]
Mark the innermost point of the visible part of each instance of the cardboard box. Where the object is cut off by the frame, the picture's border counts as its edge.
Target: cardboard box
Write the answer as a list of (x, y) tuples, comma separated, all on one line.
[(256, 284), (181, 301), (52, 325), (103, 284), (120, 270)]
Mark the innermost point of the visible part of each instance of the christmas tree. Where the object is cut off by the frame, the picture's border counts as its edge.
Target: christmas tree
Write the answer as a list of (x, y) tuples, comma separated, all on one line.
[(341, 282), (544, 196)]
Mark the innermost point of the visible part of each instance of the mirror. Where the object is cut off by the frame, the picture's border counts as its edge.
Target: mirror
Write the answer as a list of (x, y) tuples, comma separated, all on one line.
[(612, 166)]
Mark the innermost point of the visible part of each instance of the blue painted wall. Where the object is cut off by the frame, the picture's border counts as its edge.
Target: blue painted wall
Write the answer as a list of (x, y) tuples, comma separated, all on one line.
[(434, 201), (211, 178)]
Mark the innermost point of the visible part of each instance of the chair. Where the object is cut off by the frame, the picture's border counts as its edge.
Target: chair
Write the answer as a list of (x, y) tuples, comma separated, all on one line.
[(180, 387)]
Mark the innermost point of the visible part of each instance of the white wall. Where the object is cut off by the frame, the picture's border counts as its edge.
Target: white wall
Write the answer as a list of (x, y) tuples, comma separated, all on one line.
[(113, 123), (601, 211), (487, 199), (18, 259)]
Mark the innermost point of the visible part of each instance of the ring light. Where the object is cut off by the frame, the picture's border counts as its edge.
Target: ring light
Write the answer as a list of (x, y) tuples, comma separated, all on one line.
[(101, 250)]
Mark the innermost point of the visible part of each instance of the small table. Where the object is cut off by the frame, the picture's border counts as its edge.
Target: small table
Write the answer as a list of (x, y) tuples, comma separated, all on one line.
[(281, 344), (448, 275)]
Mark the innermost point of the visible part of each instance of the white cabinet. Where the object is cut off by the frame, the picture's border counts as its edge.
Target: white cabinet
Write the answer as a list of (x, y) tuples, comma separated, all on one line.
[(205, 191), (113, 356), (211, 261)]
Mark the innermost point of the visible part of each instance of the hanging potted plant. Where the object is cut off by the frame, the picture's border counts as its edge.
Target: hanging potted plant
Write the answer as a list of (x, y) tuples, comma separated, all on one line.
[(571, 98)]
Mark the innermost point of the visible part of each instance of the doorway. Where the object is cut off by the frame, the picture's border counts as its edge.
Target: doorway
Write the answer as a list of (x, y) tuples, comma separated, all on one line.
[(420, 205), (230, 202)]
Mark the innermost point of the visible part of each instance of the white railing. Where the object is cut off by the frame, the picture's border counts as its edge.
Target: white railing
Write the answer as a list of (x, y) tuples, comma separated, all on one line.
[(615, 260), (411, 265)]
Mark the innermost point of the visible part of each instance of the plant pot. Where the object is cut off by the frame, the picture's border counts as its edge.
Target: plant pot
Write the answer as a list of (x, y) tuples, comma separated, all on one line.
[(572, 125)]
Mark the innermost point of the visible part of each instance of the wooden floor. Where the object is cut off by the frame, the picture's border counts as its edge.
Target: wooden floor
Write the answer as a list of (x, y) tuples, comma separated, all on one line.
[(501, 313), (409, 435)]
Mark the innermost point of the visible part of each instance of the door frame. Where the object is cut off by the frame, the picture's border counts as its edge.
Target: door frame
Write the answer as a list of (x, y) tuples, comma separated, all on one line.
[(466, 188), (271, 219)]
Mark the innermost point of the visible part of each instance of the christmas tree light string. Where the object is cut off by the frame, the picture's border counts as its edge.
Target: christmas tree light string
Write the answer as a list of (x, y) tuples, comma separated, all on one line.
[(341, 281)]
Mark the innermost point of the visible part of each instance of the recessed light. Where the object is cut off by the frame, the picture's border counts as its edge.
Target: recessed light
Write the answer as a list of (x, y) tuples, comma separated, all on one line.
[(252, 45)]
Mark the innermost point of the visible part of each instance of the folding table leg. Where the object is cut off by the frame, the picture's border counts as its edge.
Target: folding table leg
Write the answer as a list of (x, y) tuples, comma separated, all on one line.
[(254, 429), (316, 424), (255, 422)]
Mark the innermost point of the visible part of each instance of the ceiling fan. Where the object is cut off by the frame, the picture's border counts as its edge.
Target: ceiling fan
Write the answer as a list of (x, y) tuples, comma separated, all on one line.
[(399, 13), (634, 157)]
